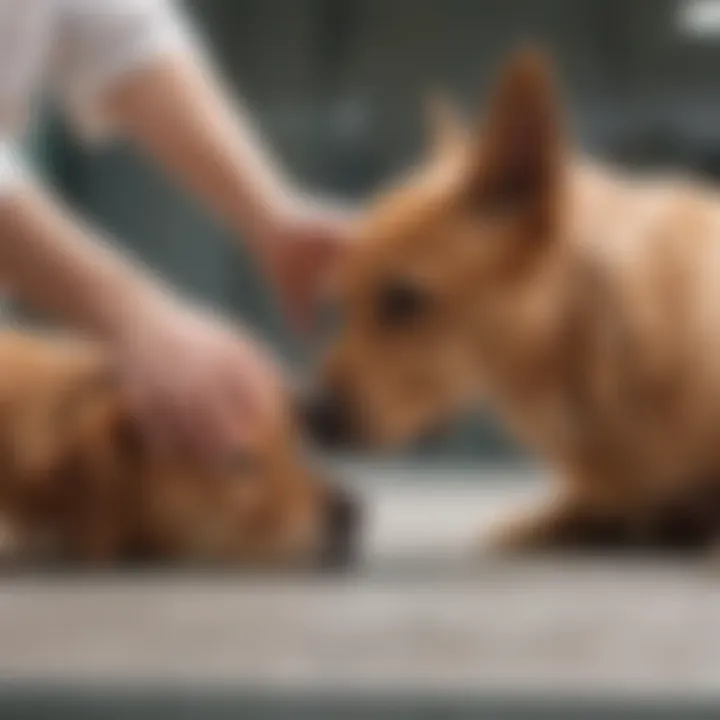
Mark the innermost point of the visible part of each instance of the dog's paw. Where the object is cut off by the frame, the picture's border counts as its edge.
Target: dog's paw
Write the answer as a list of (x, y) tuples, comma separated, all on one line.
[(514, 536)]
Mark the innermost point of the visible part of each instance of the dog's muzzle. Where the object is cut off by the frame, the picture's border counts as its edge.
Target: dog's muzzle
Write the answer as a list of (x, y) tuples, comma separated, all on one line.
[(328, 419)]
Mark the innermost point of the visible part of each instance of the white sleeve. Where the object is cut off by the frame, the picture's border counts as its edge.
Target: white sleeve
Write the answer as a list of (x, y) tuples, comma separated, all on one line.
[(12, 167), (100, 41)]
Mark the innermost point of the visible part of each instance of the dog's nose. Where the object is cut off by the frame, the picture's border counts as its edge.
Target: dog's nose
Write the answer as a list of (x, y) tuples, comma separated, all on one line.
[(327, 418), (342, 530)]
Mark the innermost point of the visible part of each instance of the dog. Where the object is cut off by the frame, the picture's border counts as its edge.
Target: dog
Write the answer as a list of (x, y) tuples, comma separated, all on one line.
[(79, 487), (579, 301)]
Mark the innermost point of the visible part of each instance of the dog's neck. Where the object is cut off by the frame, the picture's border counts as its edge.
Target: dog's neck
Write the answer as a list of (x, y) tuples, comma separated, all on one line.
[(532, 349)]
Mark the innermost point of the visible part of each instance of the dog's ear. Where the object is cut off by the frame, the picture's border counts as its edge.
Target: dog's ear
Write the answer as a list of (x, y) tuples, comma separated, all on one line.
[(447, 131), (519, 150)]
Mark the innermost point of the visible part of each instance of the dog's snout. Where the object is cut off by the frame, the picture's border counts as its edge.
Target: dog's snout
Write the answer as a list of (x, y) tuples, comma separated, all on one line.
[(327, 418), (342, 529)]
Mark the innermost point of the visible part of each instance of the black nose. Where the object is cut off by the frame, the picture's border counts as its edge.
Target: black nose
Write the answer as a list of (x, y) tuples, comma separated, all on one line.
[(328, 419), (342, 530)]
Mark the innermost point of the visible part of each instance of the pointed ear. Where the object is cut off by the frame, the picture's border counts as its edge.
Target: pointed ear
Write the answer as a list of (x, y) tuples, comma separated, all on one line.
[(519, 153), (446, 128)]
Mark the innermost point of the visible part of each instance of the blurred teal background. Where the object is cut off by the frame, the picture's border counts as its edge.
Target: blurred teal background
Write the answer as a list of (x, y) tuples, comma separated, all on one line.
[(338, 85)]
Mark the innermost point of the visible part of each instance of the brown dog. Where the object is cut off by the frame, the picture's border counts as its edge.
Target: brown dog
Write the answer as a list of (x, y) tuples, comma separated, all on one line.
[(580, 302), (76, 483)]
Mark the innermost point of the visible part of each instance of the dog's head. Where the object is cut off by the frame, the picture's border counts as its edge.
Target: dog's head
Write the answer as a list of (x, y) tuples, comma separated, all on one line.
[(79, 483), (268, 507), (442, 265)]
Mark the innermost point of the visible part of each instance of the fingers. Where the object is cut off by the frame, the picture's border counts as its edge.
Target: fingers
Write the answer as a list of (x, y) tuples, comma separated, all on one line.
[(220, 394), (305, 281), (154, 419), (201, 423)]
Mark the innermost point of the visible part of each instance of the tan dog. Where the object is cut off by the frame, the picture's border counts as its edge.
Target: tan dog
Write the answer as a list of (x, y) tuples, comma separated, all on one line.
[(582, 303), (76, 483)]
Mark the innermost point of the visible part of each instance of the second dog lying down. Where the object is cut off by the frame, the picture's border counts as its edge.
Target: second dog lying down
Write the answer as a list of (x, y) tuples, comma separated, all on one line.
[(581, 302), (77, 485)]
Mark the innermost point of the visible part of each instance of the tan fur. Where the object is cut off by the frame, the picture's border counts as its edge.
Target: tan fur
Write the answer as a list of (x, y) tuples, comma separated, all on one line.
[(77, 484), (582, 303)]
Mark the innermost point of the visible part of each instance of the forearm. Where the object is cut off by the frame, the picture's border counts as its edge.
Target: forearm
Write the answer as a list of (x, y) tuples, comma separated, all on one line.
[(177, 112), (60, 267)]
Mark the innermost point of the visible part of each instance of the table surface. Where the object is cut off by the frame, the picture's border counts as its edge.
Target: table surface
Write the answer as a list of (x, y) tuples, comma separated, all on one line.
[(424, 611)]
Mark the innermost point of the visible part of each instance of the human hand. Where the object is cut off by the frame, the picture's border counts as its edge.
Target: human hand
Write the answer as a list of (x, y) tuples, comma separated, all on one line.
[(299, 247), (197, 385)]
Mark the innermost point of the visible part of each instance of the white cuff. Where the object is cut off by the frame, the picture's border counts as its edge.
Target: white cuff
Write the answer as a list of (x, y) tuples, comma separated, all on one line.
[(110, 42), (13, 171)]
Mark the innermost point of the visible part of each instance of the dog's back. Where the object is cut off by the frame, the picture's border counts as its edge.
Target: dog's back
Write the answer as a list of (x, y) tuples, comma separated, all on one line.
[(643, 272)]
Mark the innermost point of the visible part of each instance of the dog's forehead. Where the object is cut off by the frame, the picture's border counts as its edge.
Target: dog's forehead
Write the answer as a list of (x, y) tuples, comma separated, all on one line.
[(403, 223)]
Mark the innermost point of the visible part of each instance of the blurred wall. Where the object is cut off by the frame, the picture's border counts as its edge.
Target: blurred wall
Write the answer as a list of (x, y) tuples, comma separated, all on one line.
[(337, 85)]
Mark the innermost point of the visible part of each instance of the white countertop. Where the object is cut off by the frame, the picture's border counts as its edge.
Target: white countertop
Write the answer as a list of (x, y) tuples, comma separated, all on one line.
[(422, 612)]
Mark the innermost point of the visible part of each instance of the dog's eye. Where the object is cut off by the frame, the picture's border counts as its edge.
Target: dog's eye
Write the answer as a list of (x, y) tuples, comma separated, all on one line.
[(401, 302)]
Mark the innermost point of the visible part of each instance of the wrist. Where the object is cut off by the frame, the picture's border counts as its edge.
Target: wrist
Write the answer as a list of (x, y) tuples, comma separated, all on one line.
[(267, 218), (127, 307)]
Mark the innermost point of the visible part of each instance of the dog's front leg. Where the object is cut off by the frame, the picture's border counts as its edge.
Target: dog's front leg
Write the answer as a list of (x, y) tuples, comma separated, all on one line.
[(569, 521)]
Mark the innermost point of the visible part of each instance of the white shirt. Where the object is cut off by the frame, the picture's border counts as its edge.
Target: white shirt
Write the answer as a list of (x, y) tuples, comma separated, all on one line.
[(74, 50)]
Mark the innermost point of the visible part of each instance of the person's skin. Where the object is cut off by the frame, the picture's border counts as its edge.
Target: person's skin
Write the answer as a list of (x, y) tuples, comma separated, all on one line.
[(197, 383), (177, 111)]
